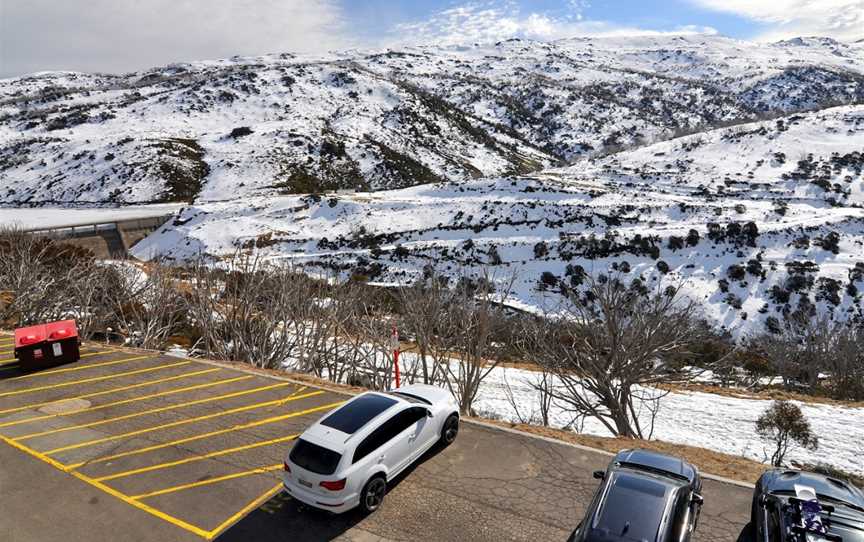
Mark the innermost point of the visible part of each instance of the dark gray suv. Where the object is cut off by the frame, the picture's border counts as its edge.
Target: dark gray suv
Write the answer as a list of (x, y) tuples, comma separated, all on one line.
[(644, 496)]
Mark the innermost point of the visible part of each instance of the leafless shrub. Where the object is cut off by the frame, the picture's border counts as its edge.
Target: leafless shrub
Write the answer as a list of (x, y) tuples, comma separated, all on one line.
[(147, 304), (256, 312), (541, 384), (42, 280)]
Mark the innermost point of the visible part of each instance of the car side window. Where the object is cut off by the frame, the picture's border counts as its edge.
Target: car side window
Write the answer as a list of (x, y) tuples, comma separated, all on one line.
[(416, 414), (389, 429)]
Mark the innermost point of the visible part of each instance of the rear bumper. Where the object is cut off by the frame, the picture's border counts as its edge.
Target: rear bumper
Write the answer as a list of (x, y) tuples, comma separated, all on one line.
[(337, 505)]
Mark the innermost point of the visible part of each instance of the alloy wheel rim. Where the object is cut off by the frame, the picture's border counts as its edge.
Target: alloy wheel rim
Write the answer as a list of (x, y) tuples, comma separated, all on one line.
[(375, 494), (452, 430)]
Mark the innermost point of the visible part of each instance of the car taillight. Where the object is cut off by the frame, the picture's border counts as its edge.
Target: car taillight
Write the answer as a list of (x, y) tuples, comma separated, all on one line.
[(335, 485), (285, 467)]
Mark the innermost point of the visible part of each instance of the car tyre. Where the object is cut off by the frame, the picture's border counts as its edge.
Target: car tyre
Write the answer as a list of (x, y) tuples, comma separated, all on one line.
[(372, 495), (450, 430)]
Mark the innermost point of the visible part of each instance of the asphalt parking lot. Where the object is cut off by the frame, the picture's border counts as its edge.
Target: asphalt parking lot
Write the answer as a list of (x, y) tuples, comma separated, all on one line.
[(158, 447)]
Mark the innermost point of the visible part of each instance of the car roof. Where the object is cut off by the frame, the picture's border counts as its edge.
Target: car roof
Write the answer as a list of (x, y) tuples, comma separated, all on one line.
[(656, 461), (787, 479)]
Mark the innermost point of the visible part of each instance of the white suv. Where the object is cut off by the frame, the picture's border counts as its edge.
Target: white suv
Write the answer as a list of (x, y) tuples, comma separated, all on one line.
[(346, 458)]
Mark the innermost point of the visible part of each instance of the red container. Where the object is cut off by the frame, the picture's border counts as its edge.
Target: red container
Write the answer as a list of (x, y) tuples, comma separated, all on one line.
[(46, 345)]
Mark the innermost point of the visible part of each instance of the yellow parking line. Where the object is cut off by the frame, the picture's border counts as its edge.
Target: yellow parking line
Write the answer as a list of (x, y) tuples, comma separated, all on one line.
[(159, 409), (209, 481), (112, 390), (172, 424), (96, 379), (126, 401), (201, 436), (88, 354), (77, 367), (113, 492), (243, 511), (195, 458)]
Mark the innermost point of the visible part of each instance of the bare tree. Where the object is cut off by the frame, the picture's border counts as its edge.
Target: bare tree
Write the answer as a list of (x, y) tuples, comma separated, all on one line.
[(479, 317), (426, 320), (611, 346), (846, 364)]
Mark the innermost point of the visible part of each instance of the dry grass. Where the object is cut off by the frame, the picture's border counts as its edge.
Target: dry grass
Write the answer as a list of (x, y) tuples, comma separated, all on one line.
[(716, 463)]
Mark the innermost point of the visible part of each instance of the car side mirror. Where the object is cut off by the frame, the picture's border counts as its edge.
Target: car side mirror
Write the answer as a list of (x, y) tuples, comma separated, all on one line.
[(697, 499), (599, 474), (429, 414)]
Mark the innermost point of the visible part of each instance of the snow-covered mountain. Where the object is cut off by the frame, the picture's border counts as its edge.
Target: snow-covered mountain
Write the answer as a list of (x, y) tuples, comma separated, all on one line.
[(759, 220), (734, 166), (242, 127)]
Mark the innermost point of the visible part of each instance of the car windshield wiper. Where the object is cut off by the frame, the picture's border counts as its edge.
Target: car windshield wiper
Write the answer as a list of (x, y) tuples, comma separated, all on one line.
[(839, 501)]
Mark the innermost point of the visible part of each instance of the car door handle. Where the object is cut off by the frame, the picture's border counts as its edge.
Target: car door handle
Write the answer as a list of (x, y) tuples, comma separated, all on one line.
[(412, 436), (381, 458)]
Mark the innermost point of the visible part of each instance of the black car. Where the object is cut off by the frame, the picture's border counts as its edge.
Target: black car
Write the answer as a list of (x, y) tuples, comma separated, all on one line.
[(644, 496), (784, 508)]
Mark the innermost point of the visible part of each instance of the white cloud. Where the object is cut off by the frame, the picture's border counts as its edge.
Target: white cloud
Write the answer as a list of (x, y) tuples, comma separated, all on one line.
[(840, 19), (126, 35), (485, 22)]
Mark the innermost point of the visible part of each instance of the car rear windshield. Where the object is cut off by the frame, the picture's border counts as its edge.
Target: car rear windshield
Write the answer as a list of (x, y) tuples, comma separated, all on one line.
[(633, 507), (314, 458), (358, 412)]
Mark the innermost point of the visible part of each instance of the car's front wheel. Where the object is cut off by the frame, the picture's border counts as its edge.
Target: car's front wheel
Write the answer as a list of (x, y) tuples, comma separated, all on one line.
[(450, 430), (373, 494)]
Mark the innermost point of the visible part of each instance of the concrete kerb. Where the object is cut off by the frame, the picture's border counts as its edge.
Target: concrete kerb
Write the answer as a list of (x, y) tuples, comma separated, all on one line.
[(349, 393)]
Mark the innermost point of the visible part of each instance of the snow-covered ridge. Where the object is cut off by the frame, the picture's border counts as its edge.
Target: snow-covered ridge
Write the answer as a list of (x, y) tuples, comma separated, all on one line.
[(246, 126), (759, 220)]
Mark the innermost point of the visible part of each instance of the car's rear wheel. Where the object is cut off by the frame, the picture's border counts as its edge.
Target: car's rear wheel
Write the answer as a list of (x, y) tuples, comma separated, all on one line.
[(373, 494), (450, 430)]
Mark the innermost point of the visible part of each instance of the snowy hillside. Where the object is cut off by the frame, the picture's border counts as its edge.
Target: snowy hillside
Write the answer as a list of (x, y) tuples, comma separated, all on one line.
[(277, 124), (761, 220)]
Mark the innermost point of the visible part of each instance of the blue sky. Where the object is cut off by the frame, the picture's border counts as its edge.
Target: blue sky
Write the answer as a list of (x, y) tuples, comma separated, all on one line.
[(379, 16), (127, 35)]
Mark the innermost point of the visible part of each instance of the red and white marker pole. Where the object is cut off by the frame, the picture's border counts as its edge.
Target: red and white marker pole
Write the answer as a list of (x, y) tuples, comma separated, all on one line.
[(394, 343)]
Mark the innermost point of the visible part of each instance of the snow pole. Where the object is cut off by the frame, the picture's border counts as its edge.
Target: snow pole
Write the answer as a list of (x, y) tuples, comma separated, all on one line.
[(394, 342)]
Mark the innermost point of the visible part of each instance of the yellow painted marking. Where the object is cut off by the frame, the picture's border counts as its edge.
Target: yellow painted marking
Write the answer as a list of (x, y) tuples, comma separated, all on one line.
[(174, 424), (245, 510), (126, 401), (159, 409), (96, 379), (195, 458), (112, 390), (249, 425), (209, 481), (77, 367), (87, 355), (208, 535)]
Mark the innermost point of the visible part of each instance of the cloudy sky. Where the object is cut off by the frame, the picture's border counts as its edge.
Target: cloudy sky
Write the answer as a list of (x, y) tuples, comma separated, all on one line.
[(127, 35)]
